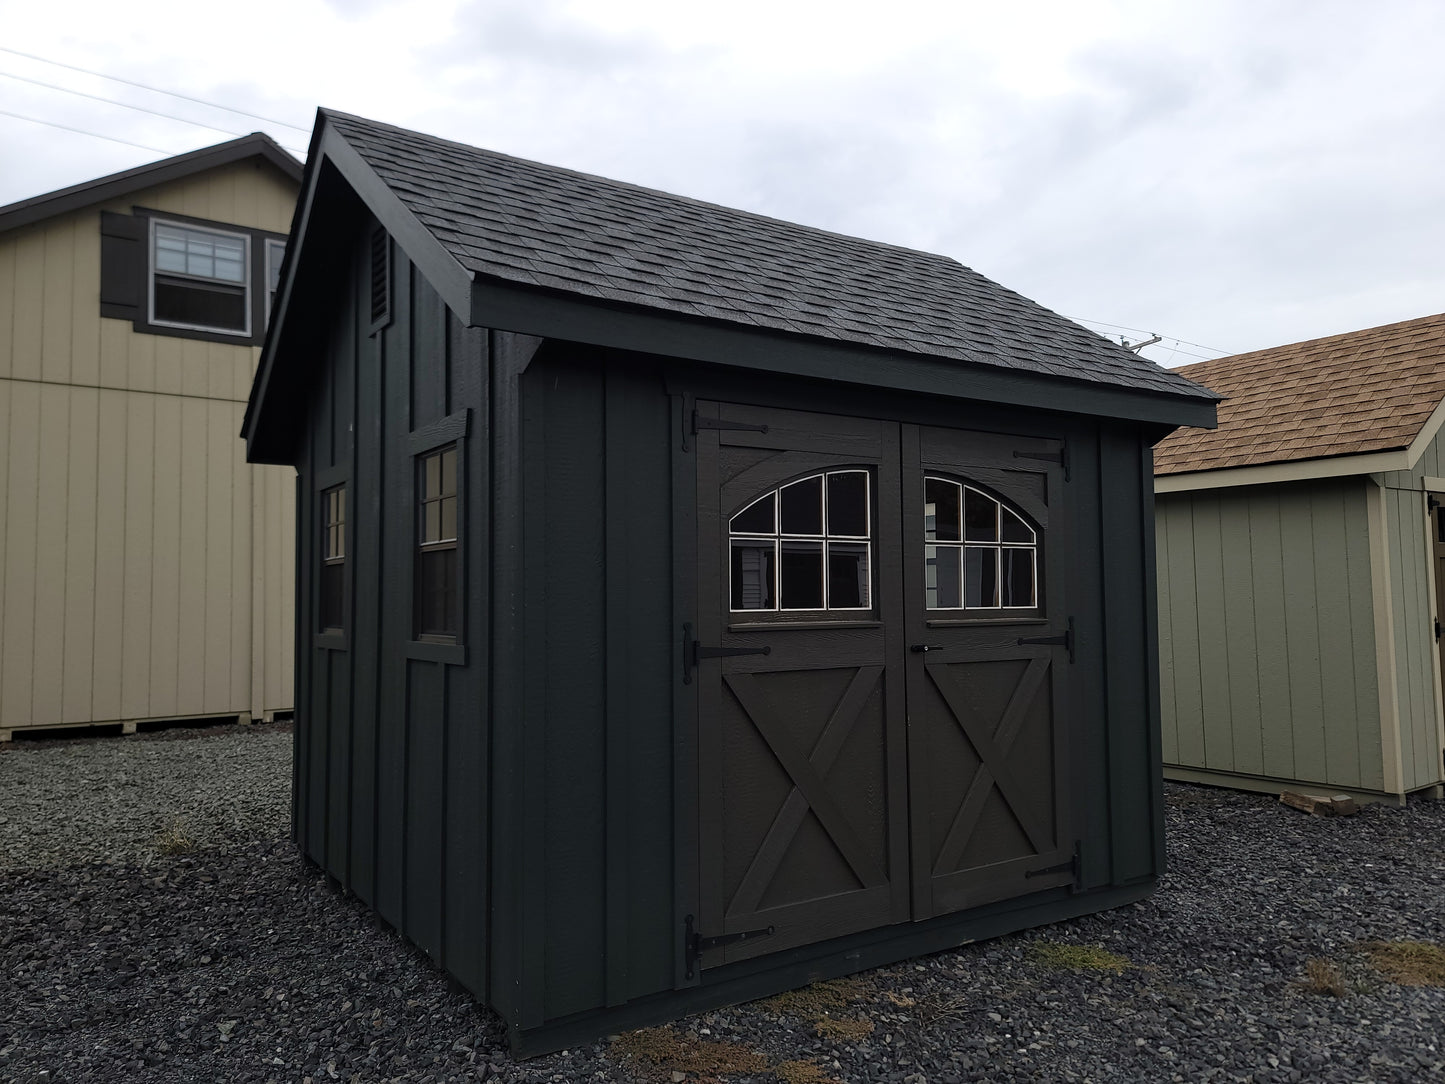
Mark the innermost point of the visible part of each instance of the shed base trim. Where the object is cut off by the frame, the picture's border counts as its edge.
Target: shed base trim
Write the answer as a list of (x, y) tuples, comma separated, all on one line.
[(752, 979), (1271, 785)]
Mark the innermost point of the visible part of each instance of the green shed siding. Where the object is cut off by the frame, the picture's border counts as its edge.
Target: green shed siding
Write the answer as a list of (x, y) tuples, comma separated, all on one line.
[(1267, 634)]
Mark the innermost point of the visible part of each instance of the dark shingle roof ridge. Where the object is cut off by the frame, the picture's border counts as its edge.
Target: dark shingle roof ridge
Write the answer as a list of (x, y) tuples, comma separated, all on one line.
[(75, 196), (660, 193)]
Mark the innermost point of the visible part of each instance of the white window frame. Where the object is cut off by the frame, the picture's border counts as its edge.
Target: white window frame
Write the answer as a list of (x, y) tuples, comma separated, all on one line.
[(152, 271), (962, 545), (778, 537)]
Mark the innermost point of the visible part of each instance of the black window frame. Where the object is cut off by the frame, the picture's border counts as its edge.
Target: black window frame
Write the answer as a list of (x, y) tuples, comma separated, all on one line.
[(128, 274), (450, 433)]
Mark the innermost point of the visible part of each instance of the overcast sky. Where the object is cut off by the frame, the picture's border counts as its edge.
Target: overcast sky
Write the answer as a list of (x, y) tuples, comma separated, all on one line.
[(1231, 175)]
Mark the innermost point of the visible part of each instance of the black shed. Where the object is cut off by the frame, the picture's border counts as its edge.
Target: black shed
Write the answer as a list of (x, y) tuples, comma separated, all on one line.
[(693, 604)]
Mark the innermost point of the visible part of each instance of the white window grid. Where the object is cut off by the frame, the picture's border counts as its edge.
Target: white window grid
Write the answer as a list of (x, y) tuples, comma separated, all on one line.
[(158, 228), (779, 538), (962, 545)]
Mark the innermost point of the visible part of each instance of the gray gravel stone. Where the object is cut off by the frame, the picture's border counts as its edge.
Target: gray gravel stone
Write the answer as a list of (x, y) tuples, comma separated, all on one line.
[(237, 960)]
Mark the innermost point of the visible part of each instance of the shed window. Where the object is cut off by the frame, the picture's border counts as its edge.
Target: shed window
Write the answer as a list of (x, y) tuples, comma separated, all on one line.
[(437, 605), (979, 554), (200, 278), (804, 546), (333, 557)]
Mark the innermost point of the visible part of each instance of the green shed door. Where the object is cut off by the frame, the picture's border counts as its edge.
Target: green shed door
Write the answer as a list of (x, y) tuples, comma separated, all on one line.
[(863, 591)]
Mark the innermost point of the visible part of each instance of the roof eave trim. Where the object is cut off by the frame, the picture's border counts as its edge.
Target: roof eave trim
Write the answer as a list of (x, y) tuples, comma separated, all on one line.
[(1297, 470), (441, 269), (554, 314), (1301, 470), (115, 185)]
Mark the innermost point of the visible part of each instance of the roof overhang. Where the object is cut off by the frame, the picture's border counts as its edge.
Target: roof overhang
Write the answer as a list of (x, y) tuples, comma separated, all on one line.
[(76, 197), (503, 306), (1304, 470)]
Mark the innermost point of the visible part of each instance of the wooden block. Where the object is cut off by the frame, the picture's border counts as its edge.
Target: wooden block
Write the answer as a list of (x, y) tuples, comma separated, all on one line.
[(1315, 804), (1344, 805)]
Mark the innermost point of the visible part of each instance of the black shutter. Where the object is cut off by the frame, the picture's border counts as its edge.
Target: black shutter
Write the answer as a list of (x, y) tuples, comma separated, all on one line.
[(122, 266)]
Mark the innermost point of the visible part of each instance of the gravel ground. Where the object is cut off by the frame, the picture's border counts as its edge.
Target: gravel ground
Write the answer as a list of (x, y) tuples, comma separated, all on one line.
[(235, 960)]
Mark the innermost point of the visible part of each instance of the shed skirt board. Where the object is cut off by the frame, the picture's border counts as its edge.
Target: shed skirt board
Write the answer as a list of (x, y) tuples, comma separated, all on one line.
[(877, 761)]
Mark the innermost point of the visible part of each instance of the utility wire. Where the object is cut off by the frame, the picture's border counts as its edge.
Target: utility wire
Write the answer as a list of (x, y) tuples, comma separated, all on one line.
[(125, 105), (82, 131), (154, 90), (1170, 338)]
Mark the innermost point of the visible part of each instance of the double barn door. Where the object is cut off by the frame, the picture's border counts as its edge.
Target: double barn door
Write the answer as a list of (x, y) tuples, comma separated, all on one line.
[(880, 653)]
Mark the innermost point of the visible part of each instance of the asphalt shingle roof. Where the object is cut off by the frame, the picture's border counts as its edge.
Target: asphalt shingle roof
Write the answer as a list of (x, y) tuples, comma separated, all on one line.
[(536, 225), (1365, 391)]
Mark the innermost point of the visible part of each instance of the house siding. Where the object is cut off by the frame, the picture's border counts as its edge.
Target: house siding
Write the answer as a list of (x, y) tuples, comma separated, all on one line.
[(1267, 640), (145, 567)]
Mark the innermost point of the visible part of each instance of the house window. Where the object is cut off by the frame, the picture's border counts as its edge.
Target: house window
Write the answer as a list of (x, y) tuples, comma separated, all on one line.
[(275, 253), (200, 278), (804, 546), (437, 598), (979, 554), (333, 557)]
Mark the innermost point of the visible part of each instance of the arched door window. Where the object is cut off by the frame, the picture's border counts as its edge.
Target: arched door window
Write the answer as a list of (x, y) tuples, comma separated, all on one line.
[(979, 554), (806, 545)]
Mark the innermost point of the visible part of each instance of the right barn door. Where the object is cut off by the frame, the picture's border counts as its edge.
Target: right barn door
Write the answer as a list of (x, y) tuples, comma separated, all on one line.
[(990, 644)]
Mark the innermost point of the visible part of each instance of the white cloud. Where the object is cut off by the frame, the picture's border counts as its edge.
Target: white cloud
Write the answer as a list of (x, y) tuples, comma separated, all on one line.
[(1237, 174)]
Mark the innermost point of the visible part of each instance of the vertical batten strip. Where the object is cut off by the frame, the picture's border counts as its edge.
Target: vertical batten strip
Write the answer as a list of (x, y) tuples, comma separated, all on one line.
[(617, 517), (1381, 584)]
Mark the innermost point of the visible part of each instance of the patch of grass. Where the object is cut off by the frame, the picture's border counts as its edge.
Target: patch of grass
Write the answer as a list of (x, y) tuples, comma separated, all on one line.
[(1408, 963), (660, 1052), (842, 1029), (1077, 957), (801, 1072), (1323, 977), (174, 840), (898, 1001), (820, 999)]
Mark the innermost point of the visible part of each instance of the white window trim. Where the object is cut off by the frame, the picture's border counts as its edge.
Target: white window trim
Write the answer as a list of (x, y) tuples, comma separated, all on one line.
[(962, 544), (778, 537), (151, 272)]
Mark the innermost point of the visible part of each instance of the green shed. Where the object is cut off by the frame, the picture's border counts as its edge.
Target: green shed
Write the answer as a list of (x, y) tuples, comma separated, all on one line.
[(691, 604), (1300, 547)]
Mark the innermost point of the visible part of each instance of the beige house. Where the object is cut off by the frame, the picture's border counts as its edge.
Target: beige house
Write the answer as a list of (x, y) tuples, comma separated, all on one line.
[(146, 570), (1300, 576)]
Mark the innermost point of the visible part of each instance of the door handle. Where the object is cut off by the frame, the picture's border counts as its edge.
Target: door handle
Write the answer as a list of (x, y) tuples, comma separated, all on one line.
[(919, 649)]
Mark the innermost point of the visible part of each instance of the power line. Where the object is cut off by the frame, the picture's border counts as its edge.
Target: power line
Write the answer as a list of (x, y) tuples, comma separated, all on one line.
[(82, 131), (1171, 338), (124, 105), (154, 90)]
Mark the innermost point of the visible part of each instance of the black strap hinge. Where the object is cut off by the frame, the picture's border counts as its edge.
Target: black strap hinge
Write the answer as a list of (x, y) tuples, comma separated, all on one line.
[(700, 422), (1064, 640), (1061, 457), (692, 652), (697, 944), (1073, 866)]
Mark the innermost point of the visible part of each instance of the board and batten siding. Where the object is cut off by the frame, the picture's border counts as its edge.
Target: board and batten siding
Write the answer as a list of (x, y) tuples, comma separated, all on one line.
[(146, 570), (1268, 662)]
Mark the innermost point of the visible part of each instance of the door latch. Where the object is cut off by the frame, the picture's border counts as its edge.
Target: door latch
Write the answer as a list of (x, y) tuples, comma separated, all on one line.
[(919, 649)]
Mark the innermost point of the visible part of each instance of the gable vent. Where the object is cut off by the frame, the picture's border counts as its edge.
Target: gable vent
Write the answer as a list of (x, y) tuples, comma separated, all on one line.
[(380, 279)]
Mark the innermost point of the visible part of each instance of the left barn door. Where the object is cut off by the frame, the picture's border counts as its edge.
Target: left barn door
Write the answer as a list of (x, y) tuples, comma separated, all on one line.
[(801, 742)]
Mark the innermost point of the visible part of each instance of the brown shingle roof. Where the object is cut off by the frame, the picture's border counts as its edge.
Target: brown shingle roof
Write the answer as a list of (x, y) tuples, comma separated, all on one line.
[(1366, 391)]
